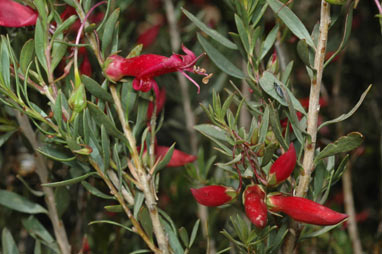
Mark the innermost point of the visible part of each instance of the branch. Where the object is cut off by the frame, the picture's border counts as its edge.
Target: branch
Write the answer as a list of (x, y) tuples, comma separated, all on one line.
[(314, 107), (42, 172), (143, 177)]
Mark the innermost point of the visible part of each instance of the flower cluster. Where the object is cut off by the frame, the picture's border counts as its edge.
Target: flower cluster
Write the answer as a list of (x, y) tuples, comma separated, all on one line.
[(257, 202)]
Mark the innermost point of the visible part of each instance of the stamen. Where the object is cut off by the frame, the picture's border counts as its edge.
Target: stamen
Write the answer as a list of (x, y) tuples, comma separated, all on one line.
[(193, 61), (206, 79), (190, 79)]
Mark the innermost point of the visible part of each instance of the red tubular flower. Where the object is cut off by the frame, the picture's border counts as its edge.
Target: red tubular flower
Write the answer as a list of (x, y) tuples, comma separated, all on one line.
[(214, 195), (13, 14), (283, 167), (304, 210), (145, 67), (254, 204), (178, 158)]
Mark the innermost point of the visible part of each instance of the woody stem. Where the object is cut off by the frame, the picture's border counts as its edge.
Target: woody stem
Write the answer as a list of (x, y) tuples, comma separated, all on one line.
[(314, 107), (144, 177)]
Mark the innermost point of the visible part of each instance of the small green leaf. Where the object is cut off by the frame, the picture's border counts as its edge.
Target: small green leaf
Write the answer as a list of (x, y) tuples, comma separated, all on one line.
[(26, 55), (5, 65), (220, 60), (108, 32), (211, 32), (269, 41), (101, 119), (145, 220), (8, 243), (95, 89), (112, 223), (194, 233), (94, 191), (69, 181), (34, 192), (62, 197), (114, 208), (57, 109), (291, 21), (276, 127), (243, 33), (19, 203), (136, 51), (166, 159), (350, 113), (184, 236), (63, 26), (105, 147), (172, 238), (56, 153), (58, 52), (342, 145), (138, 202), (40, 43), (269, 83), (210, 130)]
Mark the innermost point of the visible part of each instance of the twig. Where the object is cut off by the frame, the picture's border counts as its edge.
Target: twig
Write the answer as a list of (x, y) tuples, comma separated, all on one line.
[(120, 199), (314, 107), (189, 116), (42, 172), (143, 177)]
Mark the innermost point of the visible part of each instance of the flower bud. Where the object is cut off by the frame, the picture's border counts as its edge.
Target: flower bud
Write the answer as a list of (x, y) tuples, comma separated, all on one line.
[(254, 204), (178, 158), (304, 210), (283, 167), (113, 67), (214, 195)]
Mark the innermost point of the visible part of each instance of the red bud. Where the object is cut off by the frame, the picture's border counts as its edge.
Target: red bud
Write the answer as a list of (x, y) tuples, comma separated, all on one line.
[(214, 195), (305, 210), (254, 204), (283, 167), (178, 158)]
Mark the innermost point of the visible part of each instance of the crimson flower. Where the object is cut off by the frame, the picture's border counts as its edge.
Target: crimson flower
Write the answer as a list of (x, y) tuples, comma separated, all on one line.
[(13, 14), (145, 67), (255, 207), (214, 195), (304, 210), (283, 167)]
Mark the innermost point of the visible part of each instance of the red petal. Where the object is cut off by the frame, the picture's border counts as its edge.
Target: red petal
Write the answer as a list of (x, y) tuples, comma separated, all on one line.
[(305, 210), (13, 14), (284, 165), (213, 195), (255, 207)]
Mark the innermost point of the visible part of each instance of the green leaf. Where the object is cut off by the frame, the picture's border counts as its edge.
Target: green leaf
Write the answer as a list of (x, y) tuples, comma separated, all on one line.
[(5, 65), (8, 243), (346, 35), (101, 119), (95, 89), (211, 32), (172, 238), (94, 191), (291, 21), (39, 232), (269, 83), (112, 223), (136, 51), (350, 113), (184, 236), (34, 192), (26, 55), (276, 127), (57, 109), (320, 232), (56, 153), (69, 181), (166, 159), (194, 232), (105, 147), (220, 60), (342, 145), (19, 203), (243, 33), (114, 208), (63, 26), (269, 41), (58, 52), (40, 43), (108, 32), (210, 130), (62, 197)]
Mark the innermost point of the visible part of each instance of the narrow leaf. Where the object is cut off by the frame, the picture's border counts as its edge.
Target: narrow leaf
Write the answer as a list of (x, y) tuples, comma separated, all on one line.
[(19, 203), (94, 191), (291, 21), (8, 243), (26, 55), (269, 41), (112, 223), (210, 130), (69, 181), (220, 60), (95, 89), (342, 145), (211, 32)]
